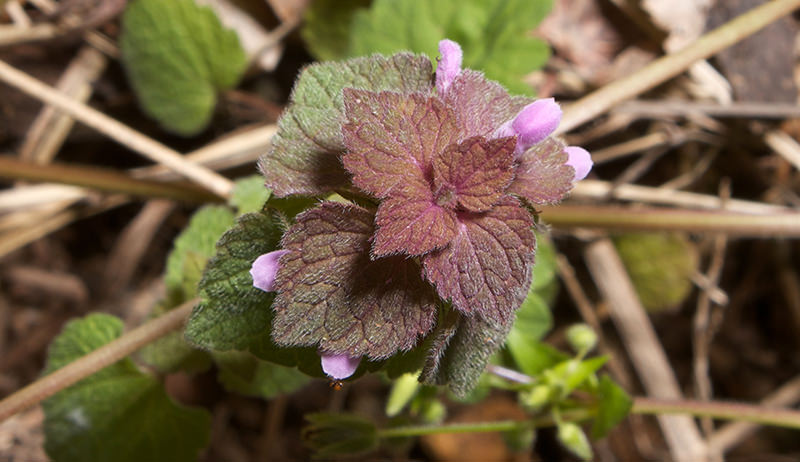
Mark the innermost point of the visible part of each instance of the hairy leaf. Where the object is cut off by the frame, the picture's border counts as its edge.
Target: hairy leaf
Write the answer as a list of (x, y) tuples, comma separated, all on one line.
[(233, 312), (495, 35), (481, 105), (118, 413), (542, 175), (486, 269), (304, 155), (474, 173), (412, 223), (330, 293), (392, 139), (465, 353), (178, 56)]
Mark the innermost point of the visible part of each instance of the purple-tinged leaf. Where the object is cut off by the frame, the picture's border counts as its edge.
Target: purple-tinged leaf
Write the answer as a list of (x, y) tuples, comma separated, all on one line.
[(486, 269), (474, 173), (412, 224), (304, 155), (391, 138), (542, 174), (331, 294), (481, 105)]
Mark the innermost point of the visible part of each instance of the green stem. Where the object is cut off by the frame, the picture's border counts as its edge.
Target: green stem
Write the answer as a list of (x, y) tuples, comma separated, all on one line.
[(780, 224), (663, 69), (787, 418), (483, 427), (103, 180), (777, 417)]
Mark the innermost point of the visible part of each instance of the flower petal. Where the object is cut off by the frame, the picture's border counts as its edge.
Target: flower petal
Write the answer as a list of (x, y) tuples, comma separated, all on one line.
[(264, 269), (580, 160), (534, 123), (339, 366), (449, 64)]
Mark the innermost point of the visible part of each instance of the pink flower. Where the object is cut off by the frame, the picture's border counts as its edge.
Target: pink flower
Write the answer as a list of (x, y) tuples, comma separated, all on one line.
[(532, 124), (264, 269), (339, 367), (580, 160), (449, 65)]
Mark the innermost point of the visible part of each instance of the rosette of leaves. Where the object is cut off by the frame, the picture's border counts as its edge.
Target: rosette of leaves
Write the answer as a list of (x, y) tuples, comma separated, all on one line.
[(442, 211)]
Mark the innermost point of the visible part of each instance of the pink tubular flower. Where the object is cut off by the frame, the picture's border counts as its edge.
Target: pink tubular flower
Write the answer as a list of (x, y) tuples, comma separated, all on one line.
[(532, 124), (449, 64), (264, 269), (580, 160), (339, 367)]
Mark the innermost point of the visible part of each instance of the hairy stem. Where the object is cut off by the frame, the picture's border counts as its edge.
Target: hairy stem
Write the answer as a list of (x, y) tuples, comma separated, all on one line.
[(104, 180), (663, 69), (104, 356), (783, 224)]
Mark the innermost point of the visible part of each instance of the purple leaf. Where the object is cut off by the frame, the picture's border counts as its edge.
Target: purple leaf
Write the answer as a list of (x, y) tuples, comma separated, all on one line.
[(481, 105), (391, 138), (412, 223), (542, 175), (474, 173), (304, 155), (330, 293), (339, 367), (486, 269)]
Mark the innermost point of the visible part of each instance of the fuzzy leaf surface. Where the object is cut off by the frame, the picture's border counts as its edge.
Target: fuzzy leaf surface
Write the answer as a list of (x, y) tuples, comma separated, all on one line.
[(233, 312), (412, 223), (466, 353), (304, 155), (118, 413), (392, 139), (178, 56), (486, 269), (249, 194), (495, 36), (542, 175), (482, 105), (474, 173), (330, 293)]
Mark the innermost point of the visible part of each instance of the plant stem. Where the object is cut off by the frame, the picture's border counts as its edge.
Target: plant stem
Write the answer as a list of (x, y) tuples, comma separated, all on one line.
[(104, 180), (786, 418), (783, 224), (104, 356), (483, 427), (778, 417), (669, 66)]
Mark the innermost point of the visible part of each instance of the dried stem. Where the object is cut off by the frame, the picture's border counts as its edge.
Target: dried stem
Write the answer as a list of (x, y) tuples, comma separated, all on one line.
[(662, 69), (96, 360)]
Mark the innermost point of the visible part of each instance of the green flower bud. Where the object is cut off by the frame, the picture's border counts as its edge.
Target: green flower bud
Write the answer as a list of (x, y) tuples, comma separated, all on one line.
[(581, 338), (573, 438), (536, 398)]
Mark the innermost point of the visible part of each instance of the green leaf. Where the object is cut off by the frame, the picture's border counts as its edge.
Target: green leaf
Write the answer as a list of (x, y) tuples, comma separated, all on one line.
[(118, 413), (304, 157), (613, 406), (544, 270), (172, 353), (532, 357), (326, 27), (573, 438), (233, 313), (178, 56), (192, 249), (249, 194), (495, 36), (569, 375), (403, 390), (330, 435), (244, 373)]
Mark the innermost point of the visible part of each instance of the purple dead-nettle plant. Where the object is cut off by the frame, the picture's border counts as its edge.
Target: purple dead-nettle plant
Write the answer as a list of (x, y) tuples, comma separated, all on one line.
[(446, 167)]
